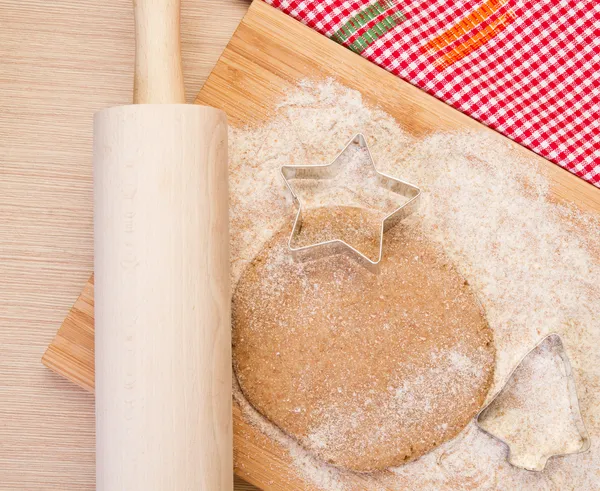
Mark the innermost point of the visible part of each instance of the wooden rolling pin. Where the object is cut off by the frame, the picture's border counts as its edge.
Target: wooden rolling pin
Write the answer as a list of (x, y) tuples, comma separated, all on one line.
[(163, 340)]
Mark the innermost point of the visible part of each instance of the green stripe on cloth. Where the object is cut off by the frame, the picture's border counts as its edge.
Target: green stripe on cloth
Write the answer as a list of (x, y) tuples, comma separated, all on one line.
[(378, 30), (361, 18)]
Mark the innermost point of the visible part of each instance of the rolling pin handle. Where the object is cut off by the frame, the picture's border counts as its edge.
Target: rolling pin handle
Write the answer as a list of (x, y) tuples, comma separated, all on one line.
[(158, 77)]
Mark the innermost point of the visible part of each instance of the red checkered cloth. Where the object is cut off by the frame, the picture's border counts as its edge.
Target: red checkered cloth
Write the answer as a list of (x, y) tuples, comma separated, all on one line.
[(530, 69)]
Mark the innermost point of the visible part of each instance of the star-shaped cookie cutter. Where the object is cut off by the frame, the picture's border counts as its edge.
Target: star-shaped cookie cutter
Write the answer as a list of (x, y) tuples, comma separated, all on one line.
[(330, 171)]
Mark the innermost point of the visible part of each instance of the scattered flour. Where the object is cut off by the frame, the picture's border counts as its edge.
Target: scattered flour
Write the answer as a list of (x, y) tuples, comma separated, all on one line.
[(535, 264)]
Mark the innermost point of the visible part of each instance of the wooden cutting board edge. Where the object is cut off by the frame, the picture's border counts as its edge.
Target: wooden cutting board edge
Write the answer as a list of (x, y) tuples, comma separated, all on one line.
[(259, 459)]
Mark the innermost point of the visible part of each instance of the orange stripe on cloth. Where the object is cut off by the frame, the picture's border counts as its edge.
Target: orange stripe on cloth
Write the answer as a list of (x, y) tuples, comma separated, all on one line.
[(475, 41), (470, 22)]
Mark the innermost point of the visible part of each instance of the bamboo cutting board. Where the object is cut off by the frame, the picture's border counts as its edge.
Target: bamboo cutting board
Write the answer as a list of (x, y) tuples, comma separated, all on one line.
[(267, 55)]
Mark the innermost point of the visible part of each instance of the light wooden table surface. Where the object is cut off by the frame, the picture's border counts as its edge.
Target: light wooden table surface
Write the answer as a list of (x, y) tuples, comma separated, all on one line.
[(60, 61)]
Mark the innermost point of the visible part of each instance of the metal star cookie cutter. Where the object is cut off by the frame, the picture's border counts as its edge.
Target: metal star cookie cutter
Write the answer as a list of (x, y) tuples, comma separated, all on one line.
[(513, 456), (330, 171)]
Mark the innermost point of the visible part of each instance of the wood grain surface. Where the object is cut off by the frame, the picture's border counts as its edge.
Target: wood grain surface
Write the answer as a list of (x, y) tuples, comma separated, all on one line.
[(61, 61), (268, 54)]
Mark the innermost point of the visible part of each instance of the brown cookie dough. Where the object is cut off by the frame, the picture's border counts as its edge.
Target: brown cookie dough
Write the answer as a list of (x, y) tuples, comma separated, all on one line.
[(367, 371)]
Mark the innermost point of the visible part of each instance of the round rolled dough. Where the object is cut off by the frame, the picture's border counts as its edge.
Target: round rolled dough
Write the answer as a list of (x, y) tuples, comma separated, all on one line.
[(366, 370)]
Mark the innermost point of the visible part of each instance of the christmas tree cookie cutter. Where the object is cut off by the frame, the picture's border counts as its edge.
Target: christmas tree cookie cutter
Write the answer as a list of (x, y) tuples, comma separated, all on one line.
[(537, 457), (330, 171)]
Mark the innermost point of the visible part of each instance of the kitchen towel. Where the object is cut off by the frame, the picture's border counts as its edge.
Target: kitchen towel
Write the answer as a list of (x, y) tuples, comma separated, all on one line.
[(528, 69)]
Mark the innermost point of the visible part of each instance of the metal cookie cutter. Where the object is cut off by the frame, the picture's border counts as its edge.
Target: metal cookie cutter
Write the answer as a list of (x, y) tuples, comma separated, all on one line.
[(330, 171), (517, 457)]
